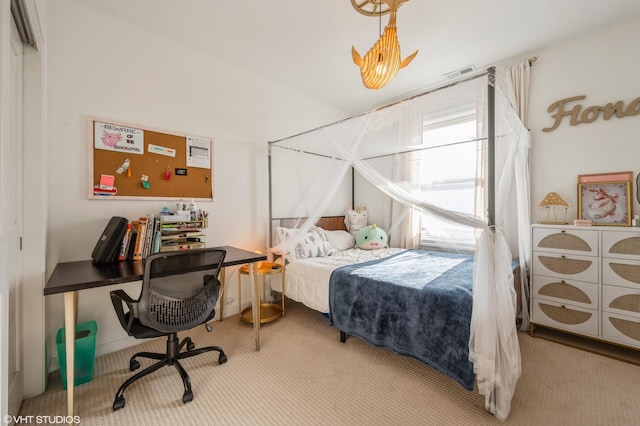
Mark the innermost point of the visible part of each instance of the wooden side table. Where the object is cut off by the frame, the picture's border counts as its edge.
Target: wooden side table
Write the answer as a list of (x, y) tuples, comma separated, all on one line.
[(268, 311)]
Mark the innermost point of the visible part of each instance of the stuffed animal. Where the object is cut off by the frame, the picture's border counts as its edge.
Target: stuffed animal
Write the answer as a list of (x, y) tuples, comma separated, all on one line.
[(371, 237), (356, 219)]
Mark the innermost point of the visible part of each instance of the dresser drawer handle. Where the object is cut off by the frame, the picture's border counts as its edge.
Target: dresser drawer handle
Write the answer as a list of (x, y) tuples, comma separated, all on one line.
[(563, 307), (563, 257), (563, 231)]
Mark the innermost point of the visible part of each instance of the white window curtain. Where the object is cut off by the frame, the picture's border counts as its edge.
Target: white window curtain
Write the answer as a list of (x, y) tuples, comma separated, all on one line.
[(516, 83), (310, 178), (405, 229), (517, 87)]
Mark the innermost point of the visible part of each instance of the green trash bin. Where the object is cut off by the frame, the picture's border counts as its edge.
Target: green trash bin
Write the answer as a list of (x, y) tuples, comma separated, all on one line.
[(85, 353)]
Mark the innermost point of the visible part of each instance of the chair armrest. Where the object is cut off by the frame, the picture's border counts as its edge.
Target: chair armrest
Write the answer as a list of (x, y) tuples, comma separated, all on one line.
[(118, 297)]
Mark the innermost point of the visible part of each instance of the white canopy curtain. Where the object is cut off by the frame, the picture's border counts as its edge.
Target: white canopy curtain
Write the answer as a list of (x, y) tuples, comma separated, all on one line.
[(309, 178)]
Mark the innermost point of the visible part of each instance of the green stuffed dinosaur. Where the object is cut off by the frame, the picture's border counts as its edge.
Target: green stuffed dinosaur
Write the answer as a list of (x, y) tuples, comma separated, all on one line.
[(371, 237)]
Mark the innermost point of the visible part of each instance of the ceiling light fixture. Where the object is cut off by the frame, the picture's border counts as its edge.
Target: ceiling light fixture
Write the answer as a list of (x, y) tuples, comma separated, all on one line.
[(382, 62)]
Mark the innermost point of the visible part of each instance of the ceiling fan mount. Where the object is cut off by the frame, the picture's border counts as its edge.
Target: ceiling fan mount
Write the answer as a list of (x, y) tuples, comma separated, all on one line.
[(371, 7)]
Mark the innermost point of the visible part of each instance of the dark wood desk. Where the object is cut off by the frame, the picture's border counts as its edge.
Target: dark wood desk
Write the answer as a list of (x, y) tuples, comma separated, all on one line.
[(70, 277)]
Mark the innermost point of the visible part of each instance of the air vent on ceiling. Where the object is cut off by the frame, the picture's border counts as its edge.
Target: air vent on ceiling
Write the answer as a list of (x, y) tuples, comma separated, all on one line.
[(461, 71)]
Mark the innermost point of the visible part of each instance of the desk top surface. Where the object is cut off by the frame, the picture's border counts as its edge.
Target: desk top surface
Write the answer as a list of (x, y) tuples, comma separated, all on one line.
[(84, 274)]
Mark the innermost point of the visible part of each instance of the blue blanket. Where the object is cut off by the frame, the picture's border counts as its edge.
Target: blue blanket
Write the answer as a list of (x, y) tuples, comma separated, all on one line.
[(416, 303)]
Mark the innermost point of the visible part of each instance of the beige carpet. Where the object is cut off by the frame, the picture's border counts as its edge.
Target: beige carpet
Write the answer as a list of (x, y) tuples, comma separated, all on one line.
[(303, 375)]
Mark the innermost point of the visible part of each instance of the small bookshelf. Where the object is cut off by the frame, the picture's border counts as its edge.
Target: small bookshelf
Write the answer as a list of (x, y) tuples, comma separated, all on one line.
[(182, 234)]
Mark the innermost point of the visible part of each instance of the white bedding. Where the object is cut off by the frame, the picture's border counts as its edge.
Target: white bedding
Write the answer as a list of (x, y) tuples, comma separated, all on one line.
[(307, 280)]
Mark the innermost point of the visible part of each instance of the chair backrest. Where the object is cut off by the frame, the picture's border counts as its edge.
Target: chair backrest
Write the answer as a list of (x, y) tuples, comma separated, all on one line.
[(180, 289)]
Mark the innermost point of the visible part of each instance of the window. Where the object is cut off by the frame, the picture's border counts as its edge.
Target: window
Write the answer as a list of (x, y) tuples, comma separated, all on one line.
[(448, 172)]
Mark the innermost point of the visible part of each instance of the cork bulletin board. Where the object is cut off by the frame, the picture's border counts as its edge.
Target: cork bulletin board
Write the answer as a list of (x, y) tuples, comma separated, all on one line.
[(127, 161)]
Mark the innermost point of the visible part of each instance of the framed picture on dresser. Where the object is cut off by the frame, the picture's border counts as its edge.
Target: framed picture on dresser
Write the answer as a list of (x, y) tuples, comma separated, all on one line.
[(605, 199)]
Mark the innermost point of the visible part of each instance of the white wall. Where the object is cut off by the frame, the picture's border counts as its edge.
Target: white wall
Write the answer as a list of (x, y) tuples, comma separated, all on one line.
[(103, 67), (602, 65)]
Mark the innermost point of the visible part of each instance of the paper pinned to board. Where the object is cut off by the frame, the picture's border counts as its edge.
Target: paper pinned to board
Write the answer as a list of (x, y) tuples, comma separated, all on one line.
[(198, 152), (107, 181), (114, 137), (162, 150)]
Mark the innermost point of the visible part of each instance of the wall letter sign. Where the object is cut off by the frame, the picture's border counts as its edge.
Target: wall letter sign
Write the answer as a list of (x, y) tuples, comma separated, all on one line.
[(590, 114)]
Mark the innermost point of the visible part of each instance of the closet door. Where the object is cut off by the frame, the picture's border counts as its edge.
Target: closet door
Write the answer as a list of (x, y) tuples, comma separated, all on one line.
[(11, 229)]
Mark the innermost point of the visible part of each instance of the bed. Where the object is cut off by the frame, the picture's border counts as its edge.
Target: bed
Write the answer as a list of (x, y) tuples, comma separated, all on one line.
[(415, 302)]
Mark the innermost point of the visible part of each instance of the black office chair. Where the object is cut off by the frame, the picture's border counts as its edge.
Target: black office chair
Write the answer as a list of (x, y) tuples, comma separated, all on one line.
[(179, 292)]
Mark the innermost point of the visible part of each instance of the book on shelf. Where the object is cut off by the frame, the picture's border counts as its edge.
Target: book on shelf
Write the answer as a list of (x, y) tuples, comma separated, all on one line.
[(152, 234), (155, 236), (149, 234), (182, 226), (124, 247), (140, 240), (182, 235), (133, 237), (175, 246), (157, 241)]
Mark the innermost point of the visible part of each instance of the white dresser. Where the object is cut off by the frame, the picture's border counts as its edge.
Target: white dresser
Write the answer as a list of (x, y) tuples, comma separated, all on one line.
[(586, 280)]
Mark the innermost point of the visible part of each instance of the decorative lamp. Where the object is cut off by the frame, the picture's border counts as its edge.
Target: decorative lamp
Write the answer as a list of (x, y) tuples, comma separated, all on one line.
[(382, 62), (552, 203)]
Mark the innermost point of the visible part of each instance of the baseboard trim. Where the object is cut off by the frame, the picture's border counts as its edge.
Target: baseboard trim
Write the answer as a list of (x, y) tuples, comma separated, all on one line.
[(600, 347)]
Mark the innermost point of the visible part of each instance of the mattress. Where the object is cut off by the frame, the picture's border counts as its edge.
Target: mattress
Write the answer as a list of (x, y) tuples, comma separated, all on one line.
[(307, 280)]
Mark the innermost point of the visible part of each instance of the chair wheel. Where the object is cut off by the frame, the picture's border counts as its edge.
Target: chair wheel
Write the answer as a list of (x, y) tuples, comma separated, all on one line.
[(187, 397), (134, 364), (222, 358), (118, 403), (190, 345)]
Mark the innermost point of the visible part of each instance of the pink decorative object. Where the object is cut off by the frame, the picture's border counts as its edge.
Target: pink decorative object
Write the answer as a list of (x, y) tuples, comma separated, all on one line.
[(107, 181), (111, 139)]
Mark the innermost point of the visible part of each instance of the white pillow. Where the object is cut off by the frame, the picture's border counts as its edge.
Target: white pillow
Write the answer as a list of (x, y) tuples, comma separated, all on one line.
[(314, 243), (340, 240)]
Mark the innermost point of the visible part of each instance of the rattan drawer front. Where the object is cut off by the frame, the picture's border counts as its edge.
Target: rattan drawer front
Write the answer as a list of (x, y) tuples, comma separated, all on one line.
[(621, 329), (622, 300), (621, 272), (580, 268), (565, 317), (566, 291), (621, 244), (578, 241)]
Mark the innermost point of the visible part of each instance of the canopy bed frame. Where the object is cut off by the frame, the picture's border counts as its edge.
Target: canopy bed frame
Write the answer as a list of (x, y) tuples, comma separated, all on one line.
[(493, 349)]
